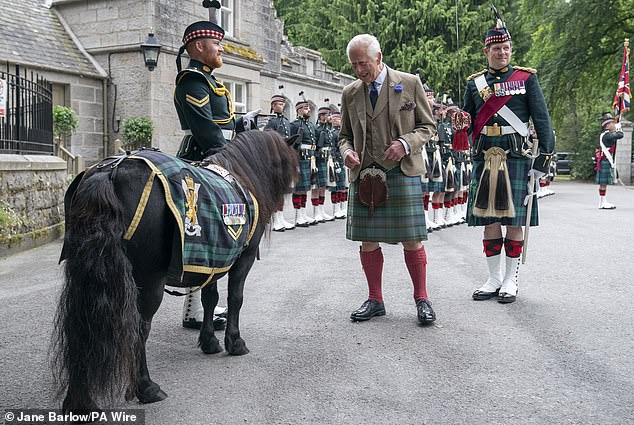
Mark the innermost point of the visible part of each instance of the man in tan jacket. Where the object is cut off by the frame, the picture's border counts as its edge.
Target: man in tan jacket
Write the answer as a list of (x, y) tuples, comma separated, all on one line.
[(386, 121)]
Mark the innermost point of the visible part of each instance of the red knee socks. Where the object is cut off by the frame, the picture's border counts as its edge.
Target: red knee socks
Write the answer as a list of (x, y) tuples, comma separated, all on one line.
[(372, 263), (513, 248), (492, 246), (416, 262)]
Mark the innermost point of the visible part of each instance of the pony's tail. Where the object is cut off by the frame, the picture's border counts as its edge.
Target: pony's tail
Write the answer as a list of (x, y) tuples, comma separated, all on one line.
[(97, 325)]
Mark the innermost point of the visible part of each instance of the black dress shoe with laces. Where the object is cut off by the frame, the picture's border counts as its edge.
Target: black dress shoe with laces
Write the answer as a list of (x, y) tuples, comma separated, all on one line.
[(368, 310), (426, 314)]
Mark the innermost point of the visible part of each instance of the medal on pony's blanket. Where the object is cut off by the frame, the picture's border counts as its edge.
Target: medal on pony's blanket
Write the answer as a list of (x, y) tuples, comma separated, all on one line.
[(233, 214)]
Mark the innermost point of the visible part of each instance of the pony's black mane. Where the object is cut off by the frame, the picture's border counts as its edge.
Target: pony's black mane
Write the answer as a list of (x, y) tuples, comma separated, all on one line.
[(263, 163)]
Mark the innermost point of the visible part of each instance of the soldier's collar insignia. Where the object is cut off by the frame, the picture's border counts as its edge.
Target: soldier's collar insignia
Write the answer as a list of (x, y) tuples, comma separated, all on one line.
[(498, 71), (206, 68)]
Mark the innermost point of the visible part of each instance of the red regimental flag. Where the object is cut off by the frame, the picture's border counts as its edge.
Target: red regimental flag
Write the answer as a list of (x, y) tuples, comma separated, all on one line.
[(621, 103)]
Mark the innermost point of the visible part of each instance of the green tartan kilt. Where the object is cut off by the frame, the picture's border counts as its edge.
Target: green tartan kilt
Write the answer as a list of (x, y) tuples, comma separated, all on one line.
[(341, 179), (458, 175), (303, 184), (322, 172), (434, 186), (424, 186), (604, 175), (518, 171), (401, 219)]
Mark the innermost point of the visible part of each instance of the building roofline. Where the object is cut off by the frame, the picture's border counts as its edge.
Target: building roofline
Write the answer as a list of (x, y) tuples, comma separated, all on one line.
[(100, 71)]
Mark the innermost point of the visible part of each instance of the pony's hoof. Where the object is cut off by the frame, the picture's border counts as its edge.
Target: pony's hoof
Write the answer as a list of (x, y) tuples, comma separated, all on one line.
[(151, 394), (211, 347), (237, 348)]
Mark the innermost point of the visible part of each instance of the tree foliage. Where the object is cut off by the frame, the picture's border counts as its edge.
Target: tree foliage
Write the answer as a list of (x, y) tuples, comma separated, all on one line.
[(417, 36), (576, 45)]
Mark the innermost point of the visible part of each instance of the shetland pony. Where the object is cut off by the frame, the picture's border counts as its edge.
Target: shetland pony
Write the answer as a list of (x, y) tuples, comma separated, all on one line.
[(114, 286)]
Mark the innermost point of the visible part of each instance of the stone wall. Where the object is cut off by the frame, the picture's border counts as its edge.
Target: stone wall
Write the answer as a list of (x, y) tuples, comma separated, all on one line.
[(624, 154), (33, 186)]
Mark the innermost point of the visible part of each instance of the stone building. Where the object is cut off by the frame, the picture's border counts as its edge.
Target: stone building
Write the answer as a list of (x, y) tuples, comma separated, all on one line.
[(90, 51)]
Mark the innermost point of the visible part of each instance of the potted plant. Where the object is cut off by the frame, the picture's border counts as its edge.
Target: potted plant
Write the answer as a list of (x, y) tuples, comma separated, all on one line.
[(137, 132), (65, 123)]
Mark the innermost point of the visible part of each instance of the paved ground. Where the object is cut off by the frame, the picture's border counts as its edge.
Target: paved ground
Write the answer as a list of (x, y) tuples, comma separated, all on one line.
[(562, 354)]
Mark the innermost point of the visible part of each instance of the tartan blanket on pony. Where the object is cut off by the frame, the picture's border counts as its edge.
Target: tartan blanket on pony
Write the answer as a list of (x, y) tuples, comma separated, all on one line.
[(215, 217)]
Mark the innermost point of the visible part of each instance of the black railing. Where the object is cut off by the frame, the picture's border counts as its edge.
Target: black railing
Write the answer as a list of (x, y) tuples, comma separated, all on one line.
[(27, 127)]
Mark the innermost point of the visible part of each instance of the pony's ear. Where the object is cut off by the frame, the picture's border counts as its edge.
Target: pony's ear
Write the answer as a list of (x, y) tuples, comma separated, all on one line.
[(291, 140)]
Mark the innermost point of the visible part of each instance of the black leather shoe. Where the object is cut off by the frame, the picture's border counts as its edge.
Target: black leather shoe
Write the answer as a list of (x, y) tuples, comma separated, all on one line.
[(368, 310), (479, 295), (505, 298), (426, 314)]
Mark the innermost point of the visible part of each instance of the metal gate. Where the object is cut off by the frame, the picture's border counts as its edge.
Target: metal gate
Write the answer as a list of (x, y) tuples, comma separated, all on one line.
[(27, 127)]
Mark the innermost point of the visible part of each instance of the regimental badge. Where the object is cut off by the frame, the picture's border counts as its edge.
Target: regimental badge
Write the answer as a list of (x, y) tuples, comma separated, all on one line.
[(486, 93), (190, 190)]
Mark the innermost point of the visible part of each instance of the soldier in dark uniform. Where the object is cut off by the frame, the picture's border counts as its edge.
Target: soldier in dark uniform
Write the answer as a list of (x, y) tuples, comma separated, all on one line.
[(610, 134), (282, 125), (279, 122), (460, 123), (305, 146), (323, 130), (427, 153), (339, 193), (501, 99), (205, 112), (438, 164), (204, 105)]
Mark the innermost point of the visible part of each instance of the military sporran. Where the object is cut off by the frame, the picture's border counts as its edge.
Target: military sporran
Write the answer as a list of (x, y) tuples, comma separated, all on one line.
[(493, 196), (373, 191)]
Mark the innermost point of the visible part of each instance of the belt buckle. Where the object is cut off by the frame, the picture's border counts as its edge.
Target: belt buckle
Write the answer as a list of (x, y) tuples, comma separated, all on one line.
[(494, 130), (313, 147)]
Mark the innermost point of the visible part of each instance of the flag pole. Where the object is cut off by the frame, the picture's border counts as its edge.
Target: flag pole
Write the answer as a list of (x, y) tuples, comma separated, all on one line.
[(621, 93), (626, 60)]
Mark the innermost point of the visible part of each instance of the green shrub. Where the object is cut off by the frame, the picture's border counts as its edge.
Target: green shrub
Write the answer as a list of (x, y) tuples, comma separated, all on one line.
[(137, 132), (65, 122)]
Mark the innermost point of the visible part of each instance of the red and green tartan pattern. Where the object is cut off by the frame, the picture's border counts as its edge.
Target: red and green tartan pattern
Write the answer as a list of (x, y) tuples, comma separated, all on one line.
[(604, 175), (401, 219), (518, 173)]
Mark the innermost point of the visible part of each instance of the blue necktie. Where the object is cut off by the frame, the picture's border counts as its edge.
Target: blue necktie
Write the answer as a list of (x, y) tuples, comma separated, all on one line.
[(374, 94)]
